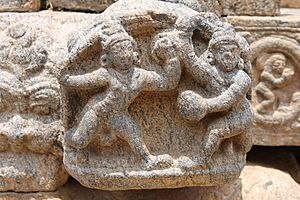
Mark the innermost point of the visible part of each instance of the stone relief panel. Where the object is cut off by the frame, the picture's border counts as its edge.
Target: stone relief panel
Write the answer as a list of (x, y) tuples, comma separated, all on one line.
[(276, 93), (30, 125), (275, 90), (154, 96)]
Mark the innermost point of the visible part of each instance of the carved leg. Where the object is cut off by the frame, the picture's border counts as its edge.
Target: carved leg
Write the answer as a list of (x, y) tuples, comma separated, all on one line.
[(212, 142), (127, 130), (87, 126), (265, 104)]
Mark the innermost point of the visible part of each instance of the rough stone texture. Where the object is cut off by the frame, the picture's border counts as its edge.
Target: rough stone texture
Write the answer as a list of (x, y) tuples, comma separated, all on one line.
[(19, 5), (154, 96), (74, 191), (275, 45), (30, 125), (101, 5), (290, 3), (271, 173), (79, 5), (250, 7)]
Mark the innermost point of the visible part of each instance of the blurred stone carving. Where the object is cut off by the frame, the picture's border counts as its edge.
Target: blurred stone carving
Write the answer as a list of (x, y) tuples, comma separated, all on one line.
[(275, 94), (30, 126), (250, 7), (154, 96)]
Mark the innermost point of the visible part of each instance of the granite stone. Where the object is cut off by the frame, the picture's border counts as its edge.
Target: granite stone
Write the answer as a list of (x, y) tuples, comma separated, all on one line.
[(154, 96)]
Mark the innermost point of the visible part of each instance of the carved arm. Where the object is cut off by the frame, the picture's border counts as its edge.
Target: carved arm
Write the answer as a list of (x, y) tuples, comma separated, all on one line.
[(232, 95), (95, 79)]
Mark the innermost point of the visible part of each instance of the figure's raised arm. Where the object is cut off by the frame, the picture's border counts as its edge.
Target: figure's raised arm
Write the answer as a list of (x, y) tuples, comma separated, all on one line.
[(95, 79), (232, 95)]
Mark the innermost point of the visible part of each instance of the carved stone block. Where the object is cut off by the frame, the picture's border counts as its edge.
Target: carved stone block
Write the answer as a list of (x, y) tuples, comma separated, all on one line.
[(101, 5), (30, 127), (250, 7), (154, 96), (19, 5), (275, 45), (93, 5), (31, 130), (74, 191)]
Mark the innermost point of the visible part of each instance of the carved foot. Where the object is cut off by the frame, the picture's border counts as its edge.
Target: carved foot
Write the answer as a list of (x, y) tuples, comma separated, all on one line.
[(187, 163), (159, 162)]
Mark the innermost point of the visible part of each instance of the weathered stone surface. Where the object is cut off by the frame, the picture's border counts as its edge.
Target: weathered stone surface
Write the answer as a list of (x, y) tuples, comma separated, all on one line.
[(19, 5), (101, 5), (283, 159), (154, 96), (250, 7), (74, 191), (30, 124), (275, 45), (271, 173), (290, 3), (79, 5)]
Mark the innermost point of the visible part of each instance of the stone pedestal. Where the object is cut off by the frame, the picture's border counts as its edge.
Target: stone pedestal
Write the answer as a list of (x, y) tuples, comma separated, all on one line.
[(74, 191), (275, 46)]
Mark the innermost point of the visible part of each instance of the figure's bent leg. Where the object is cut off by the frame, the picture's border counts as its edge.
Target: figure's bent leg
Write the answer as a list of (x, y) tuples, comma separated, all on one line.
[(87, 126), (213, 139), (127, 130), (269, 99)]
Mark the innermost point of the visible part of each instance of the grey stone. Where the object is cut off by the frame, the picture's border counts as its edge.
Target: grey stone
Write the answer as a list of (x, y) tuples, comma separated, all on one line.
[(101, 5), (275, 45), (150, 101), (250, 7), (30, 125), (19, 5)]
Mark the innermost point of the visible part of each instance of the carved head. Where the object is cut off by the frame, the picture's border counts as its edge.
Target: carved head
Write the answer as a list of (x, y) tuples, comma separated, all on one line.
[(225, 50), (119, 48), (275, 63), (26, 54)]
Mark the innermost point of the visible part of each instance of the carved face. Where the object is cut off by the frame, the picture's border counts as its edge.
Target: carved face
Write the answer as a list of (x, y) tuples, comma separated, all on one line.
[(278, 66), (227, 56), (122, 55)]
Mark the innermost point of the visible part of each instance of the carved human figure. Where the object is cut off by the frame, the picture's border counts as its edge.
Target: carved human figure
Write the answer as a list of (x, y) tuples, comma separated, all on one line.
[(275, 75), (124, 81), (220, 70)]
